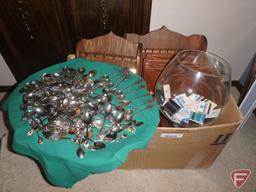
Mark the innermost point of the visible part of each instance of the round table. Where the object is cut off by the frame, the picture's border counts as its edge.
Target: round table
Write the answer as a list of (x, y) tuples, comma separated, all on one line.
[(60, 163)]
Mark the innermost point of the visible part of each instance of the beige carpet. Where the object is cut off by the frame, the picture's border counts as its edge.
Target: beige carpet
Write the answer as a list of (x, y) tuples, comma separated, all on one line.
[(21, 174)]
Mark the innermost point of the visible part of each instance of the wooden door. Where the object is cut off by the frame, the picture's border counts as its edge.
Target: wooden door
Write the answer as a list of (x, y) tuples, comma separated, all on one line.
[(91, 18), (38, 33), (33, 35)]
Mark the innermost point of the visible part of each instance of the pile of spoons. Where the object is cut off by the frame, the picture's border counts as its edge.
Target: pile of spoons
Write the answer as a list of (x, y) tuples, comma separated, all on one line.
[(74, 105)]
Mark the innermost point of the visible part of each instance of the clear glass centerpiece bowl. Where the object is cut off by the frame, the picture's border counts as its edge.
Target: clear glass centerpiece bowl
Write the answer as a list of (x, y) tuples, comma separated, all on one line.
[(193, 88)]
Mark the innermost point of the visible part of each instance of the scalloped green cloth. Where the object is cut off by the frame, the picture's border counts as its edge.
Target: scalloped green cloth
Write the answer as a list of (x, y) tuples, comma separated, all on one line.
[(60, 163)]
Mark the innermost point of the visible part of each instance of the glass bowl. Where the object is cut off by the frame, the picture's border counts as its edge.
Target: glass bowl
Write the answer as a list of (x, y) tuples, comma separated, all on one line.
[(193, 88)]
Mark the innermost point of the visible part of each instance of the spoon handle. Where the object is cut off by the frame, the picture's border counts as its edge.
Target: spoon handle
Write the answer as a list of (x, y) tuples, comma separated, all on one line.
[(133, 84), (149, 106), (144, 103), (122, 81), (102, 128), (139, 97)]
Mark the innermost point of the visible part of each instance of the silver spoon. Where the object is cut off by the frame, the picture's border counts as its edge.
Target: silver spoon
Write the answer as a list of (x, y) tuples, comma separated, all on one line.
[(128, 116), (81, 70), (149, 101), (40, 140), (97, 145), (133, 84), (119, 117), (91, 74), (100, 133), (122, 96), (80, 152), (87, 118), (148, 106), (125, 78), (138, 88), (123, 70), (118, 138), (125, 74), (93, 105), (127, 102), (108, 109)]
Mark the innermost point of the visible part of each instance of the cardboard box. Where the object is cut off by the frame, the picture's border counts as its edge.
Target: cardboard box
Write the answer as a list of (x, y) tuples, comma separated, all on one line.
[(187, 147)]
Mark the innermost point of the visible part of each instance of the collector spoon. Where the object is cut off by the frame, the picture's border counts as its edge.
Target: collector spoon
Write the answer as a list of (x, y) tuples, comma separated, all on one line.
[(91, 74), (80, 152), (121, 71), (125, 78), (122, 96), (133, 99), (87, 118), (97, 145), (133, 84)]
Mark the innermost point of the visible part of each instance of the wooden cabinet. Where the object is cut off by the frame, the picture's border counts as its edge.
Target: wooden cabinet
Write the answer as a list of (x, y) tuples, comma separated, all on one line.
[(38, 33), (33, 35), (91, 18)]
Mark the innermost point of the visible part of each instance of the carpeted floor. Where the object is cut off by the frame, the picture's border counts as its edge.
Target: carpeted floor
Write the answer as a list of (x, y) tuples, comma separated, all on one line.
[(21, 174)]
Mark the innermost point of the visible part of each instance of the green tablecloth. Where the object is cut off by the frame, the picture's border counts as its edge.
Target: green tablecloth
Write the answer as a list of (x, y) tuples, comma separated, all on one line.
[(61, 165)]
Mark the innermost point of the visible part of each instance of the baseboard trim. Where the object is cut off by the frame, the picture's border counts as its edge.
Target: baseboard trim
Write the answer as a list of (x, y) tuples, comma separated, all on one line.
[(238, 85)]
